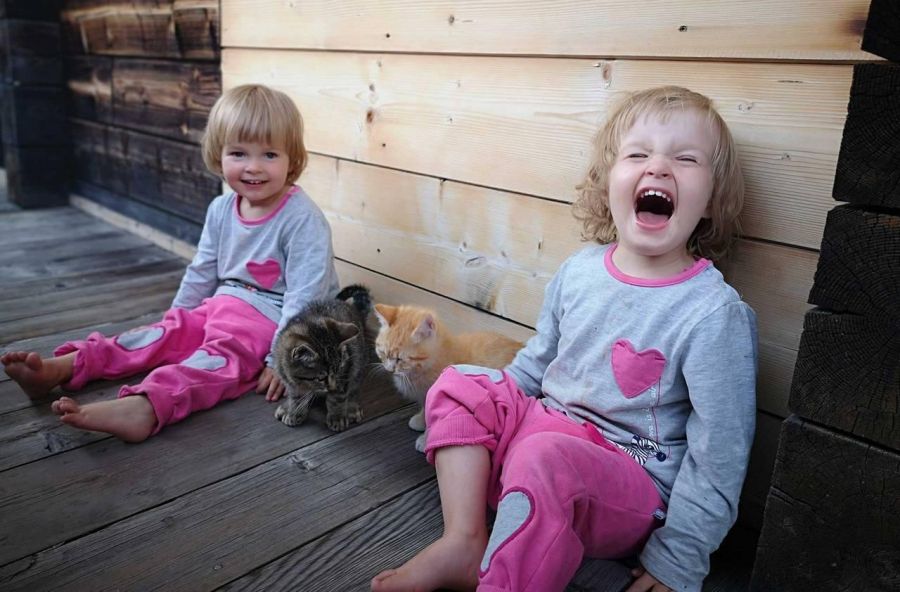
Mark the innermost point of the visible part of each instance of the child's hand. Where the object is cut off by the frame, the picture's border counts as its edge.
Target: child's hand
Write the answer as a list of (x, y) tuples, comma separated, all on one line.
[(645, 582), (270, 385)]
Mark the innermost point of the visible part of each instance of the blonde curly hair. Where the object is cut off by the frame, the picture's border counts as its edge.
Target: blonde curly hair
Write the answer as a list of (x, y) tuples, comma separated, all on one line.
[(255, 113), (713, 236)]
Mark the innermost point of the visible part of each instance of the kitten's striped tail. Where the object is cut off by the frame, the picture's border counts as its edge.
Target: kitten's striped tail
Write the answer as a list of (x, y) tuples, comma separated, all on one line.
[(357, 295)]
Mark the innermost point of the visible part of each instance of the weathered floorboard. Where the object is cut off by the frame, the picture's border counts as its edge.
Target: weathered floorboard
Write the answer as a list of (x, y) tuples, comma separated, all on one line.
[(306, 493)]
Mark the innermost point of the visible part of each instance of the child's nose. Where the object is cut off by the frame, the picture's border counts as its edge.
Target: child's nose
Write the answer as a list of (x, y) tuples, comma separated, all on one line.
[(658, 167)]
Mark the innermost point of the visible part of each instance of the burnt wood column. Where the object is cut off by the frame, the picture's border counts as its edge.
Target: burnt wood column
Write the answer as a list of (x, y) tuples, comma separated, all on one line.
[(831, 519), (33, 103)]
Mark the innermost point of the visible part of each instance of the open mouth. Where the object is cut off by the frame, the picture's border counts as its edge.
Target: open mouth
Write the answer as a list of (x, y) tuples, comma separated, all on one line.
[(654, 207), (251, 182)]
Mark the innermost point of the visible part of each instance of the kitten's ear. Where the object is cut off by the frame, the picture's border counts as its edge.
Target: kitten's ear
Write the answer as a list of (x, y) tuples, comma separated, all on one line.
[(346, 331), (303, 353), (386, 314), (425, 329)]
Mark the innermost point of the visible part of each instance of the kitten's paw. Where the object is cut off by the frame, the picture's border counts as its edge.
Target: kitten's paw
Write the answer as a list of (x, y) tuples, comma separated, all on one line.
[(337, 422), (417, 421), (354, 412), (284, 416), (420, 443)]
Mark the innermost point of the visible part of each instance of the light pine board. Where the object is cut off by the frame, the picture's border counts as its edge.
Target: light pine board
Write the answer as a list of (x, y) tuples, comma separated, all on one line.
[(526, 124), (766, 29), (497, 250)]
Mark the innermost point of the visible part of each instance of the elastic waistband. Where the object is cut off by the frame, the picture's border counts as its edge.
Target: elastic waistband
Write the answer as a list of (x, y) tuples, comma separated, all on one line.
[(274, 297)]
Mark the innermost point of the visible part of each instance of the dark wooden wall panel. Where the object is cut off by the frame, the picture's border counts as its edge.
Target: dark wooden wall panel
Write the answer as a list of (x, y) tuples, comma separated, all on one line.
[(142, 76), (832, 523), (868, 169), (848, 375), (187, 29), (158, 172), (859, 264), (882, 33)]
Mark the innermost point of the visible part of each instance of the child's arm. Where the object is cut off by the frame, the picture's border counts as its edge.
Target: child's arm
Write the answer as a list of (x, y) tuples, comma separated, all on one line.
[(528, 367), (201, 276), (308, 269), (719, 367)]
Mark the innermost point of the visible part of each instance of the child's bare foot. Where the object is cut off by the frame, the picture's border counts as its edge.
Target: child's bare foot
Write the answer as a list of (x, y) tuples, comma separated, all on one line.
[(35, 375), (451, 562), (130, 418)]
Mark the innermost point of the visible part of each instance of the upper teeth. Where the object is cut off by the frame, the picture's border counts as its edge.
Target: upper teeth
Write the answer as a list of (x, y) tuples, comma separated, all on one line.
[(650, 192)]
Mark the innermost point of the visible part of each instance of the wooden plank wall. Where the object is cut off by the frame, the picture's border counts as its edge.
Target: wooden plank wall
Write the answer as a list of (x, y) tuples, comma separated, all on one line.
[(142, 76), (448, 138)]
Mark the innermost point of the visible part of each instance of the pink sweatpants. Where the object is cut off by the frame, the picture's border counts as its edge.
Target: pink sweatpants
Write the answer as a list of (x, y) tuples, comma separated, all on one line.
[(199, 357), (561, 490)]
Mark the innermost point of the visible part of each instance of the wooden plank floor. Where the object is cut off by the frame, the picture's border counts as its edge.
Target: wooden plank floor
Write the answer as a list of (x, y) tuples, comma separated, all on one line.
[(228, 499)]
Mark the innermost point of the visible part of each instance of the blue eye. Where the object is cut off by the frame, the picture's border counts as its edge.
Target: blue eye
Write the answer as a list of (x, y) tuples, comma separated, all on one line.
[(236, 153), (271, 155)]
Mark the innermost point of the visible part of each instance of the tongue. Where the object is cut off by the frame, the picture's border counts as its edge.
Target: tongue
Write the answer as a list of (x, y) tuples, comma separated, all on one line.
[(652, 219)]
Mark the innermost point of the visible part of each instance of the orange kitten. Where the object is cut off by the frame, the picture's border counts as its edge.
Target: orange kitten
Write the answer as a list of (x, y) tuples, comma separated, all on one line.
[(415, 346)]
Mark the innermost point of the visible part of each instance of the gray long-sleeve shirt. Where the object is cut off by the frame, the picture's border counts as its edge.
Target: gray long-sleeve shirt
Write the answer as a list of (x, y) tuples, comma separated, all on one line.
[(277, 263), (667, 371)]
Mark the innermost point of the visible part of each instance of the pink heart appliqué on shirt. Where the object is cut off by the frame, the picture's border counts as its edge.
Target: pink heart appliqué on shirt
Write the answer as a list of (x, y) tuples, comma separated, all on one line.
[(265, 273), (634, 371)]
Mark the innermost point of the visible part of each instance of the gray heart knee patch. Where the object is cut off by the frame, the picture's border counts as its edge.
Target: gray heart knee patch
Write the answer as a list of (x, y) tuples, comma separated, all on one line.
[(203, 360), (138, 338), (512, 513)]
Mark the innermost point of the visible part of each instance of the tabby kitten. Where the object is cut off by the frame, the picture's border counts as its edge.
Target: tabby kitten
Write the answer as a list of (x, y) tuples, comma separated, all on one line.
[(322, 351), (415, 346)]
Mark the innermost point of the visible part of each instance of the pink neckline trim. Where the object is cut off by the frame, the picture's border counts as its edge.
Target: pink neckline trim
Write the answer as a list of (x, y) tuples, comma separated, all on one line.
[(267, 217), (698, 266)]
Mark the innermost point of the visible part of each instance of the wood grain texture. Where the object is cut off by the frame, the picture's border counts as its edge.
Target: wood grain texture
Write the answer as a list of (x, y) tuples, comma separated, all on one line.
[(458, 317), (526, 124), (764, 30), (310, 488), (848, 376), (882, 32), (868, 168), (30, 52), (158, 219), (859, 265), (165, 98), (151, 28), (832, 520), (422, 231), (33, 116), (161, 173), (348, 557)]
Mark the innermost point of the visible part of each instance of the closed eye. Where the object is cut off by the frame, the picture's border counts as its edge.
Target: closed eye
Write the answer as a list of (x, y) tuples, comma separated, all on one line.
[(688, 158), (637, 155)]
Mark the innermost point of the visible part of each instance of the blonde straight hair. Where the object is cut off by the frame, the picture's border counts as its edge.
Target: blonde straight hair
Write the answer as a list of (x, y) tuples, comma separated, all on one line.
[(255, 113), (713, 236)]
